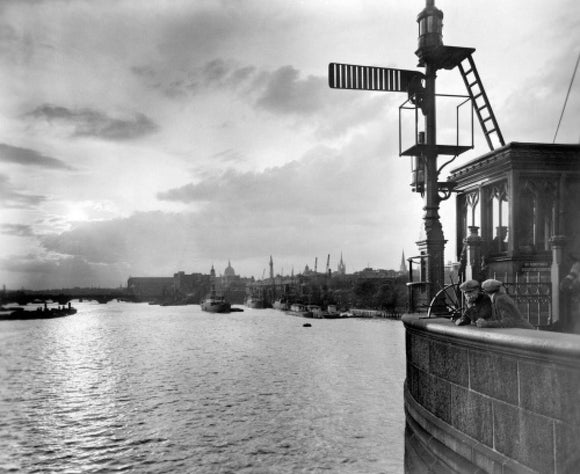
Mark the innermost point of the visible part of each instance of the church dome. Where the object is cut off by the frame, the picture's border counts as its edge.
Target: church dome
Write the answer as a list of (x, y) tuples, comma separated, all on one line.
[(229, 271)]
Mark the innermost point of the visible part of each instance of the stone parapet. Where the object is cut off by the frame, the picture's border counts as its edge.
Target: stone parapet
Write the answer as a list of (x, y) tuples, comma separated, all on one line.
[(491, 400)]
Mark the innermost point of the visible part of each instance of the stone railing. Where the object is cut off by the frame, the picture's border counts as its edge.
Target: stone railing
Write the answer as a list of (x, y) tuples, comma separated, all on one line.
[(490, 400)]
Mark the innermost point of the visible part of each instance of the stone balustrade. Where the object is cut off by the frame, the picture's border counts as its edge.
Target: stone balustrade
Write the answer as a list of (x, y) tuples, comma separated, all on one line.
[(490, 400)]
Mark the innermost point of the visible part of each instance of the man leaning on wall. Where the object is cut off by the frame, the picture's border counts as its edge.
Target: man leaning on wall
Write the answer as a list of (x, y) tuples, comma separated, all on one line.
[(505, 312), (478, 304)]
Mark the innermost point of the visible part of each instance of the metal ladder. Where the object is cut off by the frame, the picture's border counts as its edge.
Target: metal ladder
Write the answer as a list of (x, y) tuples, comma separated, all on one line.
[(481, 103)]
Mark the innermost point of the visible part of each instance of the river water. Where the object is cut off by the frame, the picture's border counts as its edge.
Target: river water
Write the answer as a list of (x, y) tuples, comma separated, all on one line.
[(137, 388)]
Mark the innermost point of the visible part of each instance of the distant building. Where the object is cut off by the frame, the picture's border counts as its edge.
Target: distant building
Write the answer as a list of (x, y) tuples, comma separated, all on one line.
[(184, 284), (149, 288), (403, 267), (341, 269), (231, 285), (229, 272), (185, 288), (371, 273)]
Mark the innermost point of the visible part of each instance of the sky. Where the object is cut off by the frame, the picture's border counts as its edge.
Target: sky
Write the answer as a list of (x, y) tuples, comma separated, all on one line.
[(146, 138)]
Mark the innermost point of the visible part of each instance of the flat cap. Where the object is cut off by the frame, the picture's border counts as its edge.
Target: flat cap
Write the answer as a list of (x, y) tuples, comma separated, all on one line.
[(469, 285), (491, 285)]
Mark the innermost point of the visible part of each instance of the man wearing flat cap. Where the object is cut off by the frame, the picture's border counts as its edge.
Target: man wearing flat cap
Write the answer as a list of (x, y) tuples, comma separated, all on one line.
[(478, 304), (505, 312)]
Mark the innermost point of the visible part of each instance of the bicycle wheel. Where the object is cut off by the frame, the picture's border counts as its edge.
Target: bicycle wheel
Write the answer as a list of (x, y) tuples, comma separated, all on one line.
[(446, 302)]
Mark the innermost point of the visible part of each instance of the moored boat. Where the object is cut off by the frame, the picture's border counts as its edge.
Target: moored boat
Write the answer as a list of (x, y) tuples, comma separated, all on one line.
[(255, 302), (281, 304), (39, 313), (298, 309), (215, 303), (332, 312), (316, 311)]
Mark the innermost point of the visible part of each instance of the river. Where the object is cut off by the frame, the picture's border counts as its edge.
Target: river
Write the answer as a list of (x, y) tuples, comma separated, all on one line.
[(128, 387)]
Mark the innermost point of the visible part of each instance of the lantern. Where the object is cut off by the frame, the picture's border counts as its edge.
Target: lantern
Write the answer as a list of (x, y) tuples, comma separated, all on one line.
[(430, 22)]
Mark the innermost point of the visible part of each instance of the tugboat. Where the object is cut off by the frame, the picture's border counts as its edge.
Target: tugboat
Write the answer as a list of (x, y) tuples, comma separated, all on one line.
[(214, 303)]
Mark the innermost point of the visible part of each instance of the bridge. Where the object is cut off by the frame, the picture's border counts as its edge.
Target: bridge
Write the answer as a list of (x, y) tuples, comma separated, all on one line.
[(63, 296)]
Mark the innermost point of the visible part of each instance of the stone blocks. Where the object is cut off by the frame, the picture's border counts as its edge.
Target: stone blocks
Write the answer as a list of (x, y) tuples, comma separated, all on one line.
[(510, 403)]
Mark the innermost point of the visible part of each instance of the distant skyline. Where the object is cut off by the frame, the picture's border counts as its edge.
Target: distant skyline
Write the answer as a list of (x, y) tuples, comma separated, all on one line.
[(146, 138)]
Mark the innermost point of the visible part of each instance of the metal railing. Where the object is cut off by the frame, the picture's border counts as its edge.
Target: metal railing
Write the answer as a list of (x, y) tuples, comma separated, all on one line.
[(532, 294)]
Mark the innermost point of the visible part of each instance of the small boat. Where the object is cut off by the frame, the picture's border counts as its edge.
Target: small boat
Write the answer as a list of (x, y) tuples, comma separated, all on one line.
[(332, 312), (39, 313), (316, 311), (368, 313), (215, 303), (281, 304), (298, 309), (255, 302)]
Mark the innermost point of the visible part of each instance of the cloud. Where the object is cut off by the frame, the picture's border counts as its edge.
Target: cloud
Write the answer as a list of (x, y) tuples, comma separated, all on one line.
[(294, 212), (329, 200), (144, 241), (203, 28), (50, 272), (8, 35), (101, 242), (311, 103), (519, 117), (93, 123), (12, 198), (286, 93), (18, 230), (215, 71), (28, 157), (314, 186), (144, 244), (228, 156), (212, 75)]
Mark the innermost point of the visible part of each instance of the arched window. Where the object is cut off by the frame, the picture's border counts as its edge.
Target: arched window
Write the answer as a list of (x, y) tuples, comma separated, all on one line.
[(495, 229), (537, 200)]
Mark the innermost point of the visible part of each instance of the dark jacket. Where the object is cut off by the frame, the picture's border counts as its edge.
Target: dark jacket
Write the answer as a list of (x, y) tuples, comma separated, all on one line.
[(480, 309), (505, 314)]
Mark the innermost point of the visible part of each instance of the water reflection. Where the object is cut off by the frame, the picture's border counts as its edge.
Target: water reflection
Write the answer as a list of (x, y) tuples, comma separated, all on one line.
[(173, 389)]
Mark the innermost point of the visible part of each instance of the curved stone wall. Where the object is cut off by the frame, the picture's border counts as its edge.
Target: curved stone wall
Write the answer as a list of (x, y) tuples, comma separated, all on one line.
[(490, 400)]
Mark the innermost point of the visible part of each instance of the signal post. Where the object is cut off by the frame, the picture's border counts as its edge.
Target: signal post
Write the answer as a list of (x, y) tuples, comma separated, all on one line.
[(421, 90)]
